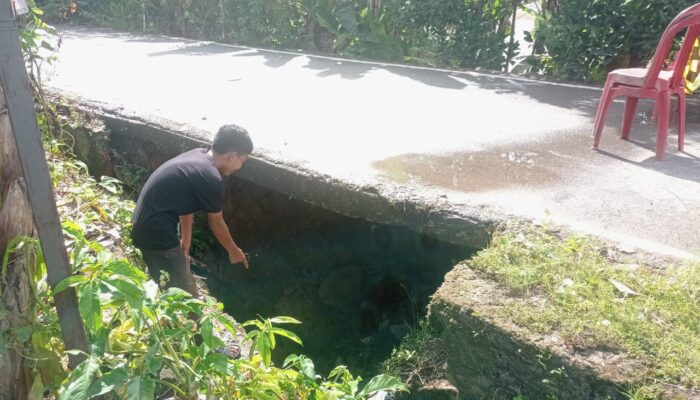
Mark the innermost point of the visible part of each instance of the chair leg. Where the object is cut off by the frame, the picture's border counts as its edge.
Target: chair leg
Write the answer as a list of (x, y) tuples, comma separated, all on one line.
[(681, 121), (603, 107), (630, 110), (664, 105)]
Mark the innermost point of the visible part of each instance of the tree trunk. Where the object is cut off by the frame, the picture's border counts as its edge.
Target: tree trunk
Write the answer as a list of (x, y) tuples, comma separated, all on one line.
[(16, 302)]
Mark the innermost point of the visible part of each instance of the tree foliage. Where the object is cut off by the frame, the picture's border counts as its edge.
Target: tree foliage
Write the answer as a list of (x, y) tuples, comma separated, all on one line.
[(585, 39), (470, 33)]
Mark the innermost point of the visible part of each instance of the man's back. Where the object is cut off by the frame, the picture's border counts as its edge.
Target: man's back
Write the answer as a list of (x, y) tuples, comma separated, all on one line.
[(183, 185)]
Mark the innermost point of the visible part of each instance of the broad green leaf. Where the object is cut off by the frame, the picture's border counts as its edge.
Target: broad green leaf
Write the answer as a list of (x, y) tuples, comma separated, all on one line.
[(71, 281), (207, 331), (226, 322), (174, 294), (47, 45), (153, 362), (253, 322), (291, 360), (89, 306), (141, 388), (284, 320), (73, 229), (347, 18), (37, 390), (382, 382), (252, 334), (149, 314), (80, 380), (109, 382), (217, 362), (12, 246), (123, 268), (289, 335), (325, 17), (262, 345), (270, 336), (341, 371), (48, 359), (133, 295), (303, 364)]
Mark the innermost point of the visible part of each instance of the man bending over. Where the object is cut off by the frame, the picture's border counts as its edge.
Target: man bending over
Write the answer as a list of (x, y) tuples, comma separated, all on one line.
[(190, 182)]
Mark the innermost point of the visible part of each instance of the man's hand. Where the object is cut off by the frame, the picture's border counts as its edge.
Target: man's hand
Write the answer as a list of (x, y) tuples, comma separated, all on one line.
[(222, 234), (238, 256)]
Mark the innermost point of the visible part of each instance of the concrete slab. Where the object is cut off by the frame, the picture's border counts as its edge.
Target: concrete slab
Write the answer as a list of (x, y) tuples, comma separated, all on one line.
[(463, 140)]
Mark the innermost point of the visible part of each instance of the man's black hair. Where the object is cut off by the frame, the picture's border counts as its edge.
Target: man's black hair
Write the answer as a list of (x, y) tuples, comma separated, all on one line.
[(232, 138)]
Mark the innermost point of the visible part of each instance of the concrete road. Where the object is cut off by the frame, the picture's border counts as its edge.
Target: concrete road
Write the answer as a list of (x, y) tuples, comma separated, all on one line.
[(516, 145)]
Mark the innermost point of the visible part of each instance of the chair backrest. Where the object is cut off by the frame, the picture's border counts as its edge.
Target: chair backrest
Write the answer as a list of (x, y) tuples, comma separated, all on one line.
[(688, 19)]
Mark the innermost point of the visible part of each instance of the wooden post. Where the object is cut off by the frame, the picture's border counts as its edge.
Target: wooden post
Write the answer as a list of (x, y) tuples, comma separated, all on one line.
[(23, 122)]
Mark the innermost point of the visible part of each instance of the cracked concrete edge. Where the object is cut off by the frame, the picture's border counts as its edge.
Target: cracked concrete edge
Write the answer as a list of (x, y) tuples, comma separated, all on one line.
[(383, 202)]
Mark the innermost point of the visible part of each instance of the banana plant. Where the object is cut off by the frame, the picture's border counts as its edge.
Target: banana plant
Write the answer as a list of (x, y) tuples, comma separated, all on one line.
[(357, 27)]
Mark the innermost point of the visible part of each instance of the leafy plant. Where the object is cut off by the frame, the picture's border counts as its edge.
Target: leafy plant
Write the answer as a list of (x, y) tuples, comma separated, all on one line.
[(469, 33), (584, 39), (356, 28), (37, 39), (138, 332), (263, 336), (147, 342)]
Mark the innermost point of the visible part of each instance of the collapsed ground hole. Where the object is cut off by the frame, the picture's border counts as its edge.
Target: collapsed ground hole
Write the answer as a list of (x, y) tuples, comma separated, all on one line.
[(358, 287)]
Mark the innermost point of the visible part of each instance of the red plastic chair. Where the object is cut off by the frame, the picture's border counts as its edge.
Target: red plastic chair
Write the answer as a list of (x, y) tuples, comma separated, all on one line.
[(653, 83)]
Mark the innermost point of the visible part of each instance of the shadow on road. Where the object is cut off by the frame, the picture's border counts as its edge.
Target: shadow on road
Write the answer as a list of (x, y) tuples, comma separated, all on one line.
[(580, 100)]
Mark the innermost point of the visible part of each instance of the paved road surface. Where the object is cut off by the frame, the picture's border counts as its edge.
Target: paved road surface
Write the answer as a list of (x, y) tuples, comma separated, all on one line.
[(517, 145)]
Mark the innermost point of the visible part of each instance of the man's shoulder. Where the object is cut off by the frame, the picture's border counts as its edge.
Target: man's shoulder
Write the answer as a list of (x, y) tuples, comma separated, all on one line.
[(192, 164), (192, 155), (204, 164)]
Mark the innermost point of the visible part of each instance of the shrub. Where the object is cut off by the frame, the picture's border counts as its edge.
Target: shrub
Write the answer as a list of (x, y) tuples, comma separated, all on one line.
[(467, 33), (585, 39)]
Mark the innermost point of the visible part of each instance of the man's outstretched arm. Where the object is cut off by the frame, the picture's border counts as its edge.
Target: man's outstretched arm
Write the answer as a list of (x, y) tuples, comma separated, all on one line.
[(222, 234)]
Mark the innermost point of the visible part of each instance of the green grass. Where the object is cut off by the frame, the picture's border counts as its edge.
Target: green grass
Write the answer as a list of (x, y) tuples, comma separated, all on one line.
[(586, 301), (419, 359)]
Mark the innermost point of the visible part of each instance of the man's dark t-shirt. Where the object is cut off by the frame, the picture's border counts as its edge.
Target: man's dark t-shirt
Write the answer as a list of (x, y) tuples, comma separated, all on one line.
[(183, 185)]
